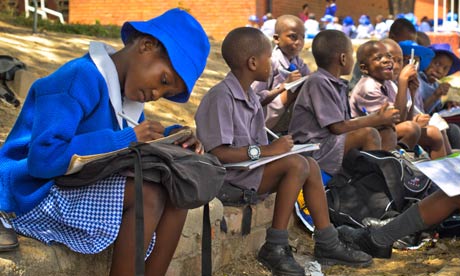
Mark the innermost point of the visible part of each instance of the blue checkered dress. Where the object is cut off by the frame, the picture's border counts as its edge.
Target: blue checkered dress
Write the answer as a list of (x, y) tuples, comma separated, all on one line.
[(85, 219)]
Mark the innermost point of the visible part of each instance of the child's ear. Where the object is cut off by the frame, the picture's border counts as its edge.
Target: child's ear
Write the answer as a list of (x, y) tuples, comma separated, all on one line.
[(363, 69), (252, 63), (148, 43), (276, 38), (343, 59)]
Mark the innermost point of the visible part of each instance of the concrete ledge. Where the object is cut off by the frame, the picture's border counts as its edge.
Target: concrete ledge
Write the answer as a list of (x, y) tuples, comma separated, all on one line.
[(33, 258)]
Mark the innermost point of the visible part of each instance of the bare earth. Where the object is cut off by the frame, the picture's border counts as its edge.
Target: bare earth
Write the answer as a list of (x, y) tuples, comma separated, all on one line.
[(45, 52)]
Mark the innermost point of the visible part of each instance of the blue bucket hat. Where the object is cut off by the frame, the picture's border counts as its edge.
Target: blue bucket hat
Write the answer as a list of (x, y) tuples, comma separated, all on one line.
[(327, 18), (185, 41), (424, 53), (447, 49)]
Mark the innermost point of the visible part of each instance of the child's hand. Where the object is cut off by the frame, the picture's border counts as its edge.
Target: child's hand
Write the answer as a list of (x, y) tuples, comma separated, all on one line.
[(294, 75), (149, 130), (422, 119), (450, 105), (389, 115), (281, 145), (413, 85), (189, 141), (407, 73), (442, 89)]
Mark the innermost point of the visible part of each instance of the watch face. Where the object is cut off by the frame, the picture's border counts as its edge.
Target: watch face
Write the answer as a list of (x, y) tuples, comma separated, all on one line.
[(254, 152)]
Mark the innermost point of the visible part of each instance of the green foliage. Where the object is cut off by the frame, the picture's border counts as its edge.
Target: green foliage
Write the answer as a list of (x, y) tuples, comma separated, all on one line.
[(96, 29)]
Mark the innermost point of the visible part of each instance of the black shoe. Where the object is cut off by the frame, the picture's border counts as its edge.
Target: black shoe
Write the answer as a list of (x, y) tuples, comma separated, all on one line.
[(361, 239), (8, 238), (279, 259), (341, 254)]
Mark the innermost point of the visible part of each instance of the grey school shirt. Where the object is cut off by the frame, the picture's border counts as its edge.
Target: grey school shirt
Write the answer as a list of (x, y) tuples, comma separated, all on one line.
[(321, 102), (371, 94), (226, 116)]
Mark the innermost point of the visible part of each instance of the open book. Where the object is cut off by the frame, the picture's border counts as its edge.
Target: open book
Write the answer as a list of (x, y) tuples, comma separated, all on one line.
[(292, 86), (445, 172), (249, 165), (78, 161)]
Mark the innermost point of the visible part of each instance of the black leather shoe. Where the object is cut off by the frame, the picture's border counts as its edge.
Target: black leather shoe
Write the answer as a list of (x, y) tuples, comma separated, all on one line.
[(341, 254), (8, 237), (279, 259), (361, 239)]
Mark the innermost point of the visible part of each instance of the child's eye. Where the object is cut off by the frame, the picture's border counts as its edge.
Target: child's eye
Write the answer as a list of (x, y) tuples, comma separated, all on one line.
[(293, 36), (164, 80)]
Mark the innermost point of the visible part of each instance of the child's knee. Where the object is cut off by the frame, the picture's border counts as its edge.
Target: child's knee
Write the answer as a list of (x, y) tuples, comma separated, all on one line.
[(410, 129), (434, 134), (300, 164), (372, 135)]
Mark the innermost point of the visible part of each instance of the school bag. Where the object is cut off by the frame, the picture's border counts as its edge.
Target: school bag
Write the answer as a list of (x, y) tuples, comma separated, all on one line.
[(191, 180), (8, 67), (376, 184)]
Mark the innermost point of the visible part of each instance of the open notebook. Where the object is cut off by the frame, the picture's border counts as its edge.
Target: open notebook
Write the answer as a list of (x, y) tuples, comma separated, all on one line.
[(78, 161), (249, 165), (445, 172)]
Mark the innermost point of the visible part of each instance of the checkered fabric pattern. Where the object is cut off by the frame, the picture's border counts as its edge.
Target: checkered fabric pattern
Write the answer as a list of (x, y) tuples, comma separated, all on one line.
[(85, 219)]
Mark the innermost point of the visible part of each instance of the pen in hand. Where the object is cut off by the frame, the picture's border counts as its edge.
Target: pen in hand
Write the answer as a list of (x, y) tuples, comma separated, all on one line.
[(128, 119), (364, 110), (271, 133)]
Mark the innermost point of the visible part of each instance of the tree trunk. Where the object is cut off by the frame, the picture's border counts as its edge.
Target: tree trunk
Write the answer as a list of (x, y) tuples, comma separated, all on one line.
[(401, 6)]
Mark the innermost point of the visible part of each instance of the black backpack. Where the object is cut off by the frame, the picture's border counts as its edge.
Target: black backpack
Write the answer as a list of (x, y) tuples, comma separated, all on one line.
[(8, 67), (376, 184)]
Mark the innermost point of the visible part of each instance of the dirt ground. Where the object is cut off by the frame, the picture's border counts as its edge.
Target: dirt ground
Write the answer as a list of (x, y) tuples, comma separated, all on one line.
[(45, 52)]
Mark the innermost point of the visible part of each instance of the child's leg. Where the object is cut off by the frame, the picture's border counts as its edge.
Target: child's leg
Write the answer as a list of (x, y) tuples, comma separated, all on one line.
[(167, 237), (446, 142), (123, 258), (409, 133), (389, 138), (431, 139), (285, 177), (453, 132), (366, 138)]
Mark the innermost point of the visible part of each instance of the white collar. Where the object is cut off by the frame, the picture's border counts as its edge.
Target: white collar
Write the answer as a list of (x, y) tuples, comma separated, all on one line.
[(99, 53)]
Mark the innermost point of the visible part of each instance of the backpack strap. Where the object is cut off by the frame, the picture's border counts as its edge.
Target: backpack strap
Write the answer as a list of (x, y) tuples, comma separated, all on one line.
[(206, 257), (139, 213)]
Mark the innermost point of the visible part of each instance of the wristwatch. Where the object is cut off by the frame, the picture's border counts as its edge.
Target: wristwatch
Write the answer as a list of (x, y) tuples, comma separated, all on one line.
[(253, 152)]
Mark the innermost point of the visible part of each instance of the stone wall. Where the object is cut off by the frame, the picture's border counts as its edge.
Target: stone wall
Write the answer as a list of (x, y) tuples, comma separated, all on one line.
[(36, 259)]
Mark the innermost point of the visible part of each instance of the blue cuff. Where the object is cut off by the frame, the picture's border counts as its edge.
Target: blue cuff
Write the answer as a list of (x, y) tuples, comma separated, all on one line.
[(170, 128)]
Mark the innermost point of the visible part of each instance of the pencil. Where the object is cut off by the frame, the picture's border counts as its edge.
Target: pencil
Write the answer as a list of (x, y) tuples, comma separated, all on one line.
[(128, 119), (271, 133)]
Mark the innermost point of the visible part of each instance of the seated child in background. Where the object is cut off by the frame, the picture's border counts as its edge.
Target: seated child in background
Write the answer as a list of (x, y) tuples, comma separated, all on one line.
[(444, 63), (431, 70), (401, 29), (430, 136), (321, 113), (375, 89), (235, 132), (286, 66), (365, 28)]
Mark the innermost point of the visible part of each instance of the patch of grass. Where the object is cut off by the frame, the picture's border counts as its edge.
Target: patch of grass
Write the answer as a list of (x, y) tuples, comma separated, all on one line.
[(95, 29)]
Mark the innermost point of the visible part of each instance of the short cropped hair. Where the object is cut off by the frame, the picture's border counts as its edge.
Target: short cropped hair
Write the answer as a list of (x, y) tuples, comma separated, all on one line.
[(281, 21), (362, 54), (327, 45), (400, 25), (242, 43)]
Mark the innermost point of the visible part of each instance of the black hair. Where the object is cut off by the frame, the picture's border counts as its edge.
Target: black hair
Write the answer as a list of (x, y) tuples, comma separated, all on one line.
[(423, 39), (134, 34), (399, 26), (280, 24), (242, 43), (327, 45), (362, 54), (304, 6)]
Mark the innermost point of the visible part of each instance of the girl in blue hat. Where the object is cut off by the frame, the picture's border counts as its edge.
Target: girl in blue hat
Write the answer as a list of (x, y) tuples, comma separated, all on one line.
[(76, 110)]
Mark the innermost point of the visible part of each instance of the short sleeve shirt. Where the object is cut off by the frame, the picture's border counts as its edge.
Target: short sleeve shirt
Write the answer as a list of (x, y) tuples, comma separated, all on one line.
[(227, 115), (371, 95), (322, 101), (279, 74)]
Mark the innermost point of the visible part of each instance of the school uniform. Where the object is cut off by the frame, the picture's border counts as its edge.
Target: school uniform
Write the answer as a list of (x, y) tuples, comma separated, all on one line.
[(280, 71), (427, 89), (227, 115), (321, 102), (86, 219), (370, 95)]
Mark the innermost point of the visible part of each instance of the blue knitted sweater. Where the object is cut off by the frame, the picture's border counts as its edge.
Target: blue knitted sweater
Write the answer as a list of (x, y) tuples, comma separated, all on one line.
[(66, 113)]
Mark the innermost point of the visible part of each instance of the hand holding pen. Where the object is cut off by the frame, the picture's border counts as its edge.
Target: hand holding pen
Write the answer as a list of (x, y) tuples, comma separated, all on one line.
[(147, 130)]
